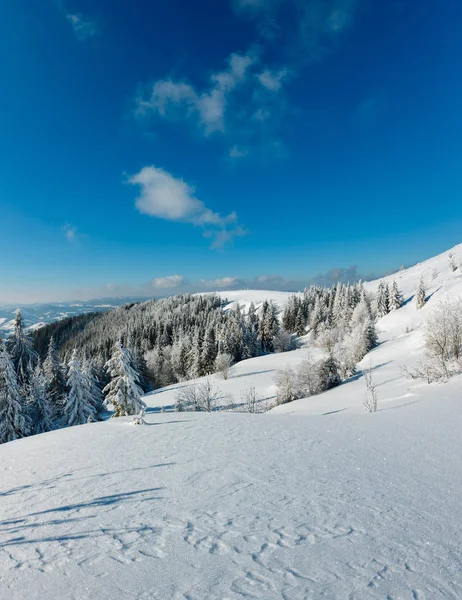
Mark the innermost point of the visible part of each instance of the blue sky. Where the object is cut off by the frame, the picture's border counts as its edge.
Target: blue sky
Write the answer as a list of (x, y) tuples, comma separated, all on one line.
[(151, 147)]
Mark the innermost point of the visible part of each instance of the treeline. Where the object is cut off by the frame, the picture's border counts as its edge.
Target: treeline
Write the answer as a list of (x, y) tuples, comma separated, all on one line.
[(72, 371), (172, 339)]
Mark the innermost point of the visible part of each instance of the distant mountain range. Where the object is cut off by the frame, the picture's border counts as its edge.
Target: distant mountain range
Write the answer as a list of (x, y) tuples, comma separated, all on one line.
[(38, 315)]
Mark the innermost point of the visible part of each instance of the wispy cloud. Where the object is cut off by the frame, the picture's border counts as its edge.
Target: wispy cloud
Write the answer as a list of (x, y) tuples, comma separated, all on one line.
[(311, 31), (241, 103), (206, 108), (166, 197), (84, 28), (71, 233)]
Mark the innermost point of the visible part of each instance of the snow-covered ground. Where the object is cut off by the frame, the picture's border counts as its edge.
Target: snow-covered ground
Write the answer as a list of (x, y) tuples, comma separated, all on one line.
[(316, 499)]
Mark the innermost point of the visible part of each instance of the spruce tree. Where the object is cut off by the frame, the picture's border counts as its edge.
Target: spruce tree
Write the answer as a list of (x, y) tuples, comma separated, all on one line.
[(209, 351), (383, 300), (56, 380), (23, 355), (40, 403), (94, 391), (123, 391), (14, 423), (396, 298), (328, 374), (78, 407), (421, 295)]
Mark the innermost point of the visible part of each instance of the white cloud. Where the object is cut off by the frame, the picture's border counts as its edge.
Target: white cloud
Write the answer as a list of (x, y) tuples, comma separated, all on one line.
[(71, 232), (167, 197), (272, 80), (172, 281), (221, 284), (238, 152), (173, 99), (83, 28)]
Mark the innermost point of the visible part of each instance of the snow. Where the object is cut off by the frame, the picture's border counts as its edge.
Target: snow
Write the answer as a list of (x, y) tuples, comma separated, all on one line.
[(245, 297), (316, 499), (238, 506)]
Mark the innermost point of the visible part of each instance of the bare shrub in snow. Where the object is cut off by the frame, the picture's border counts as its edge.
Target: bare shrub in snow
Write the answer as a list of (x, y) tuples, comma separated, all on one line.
[(250, 400), (203, 396), (223, 363), (371, 399), (187, 399)]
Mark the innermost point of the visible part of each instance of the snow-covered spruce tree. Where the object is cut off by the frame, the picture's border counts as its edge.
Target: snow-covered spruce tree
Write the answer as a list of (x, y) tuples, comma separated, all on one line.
[(179, 359), (14, 423), (23, 355), (40, 403), (263, 331), (209, 351), (56, 380), (383, 300), (396, 298), (78, 407), (195, 356), (140, 366), (94, 391), (123, 391), (328, 374), (421, 296)]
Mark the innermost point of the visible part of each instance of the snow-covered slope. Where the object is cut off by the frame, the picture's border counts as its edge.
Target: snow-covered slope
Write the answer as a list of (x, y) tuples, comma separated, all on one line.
[(229, 506), (324, 501)]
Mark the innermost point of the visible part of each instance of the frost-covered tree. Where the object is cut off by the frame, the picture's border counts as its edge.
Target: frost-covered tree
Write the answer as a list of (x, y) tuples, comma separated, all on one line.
[(307, 377), (283, 341), (328, 374), (180, 360), (396, 298), (13, 420), (286, 386), (123, 391), (78, 407), (23, 355), (421, 296), (209, 351), (223, 363), (195, 356), (383, 300), (94, 391), (56, 380), (40, 403)]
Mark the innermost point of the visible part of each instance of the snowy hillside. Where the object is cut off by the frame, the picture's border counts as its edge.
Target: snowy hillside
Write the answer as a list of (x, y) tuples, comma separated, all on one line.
[(238, 506), (315, 499)]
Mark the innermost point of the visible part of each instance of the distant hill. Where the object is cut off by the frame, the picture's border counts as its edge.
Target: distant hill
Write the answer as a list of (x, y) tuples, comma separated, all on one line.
[(38, 315)]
